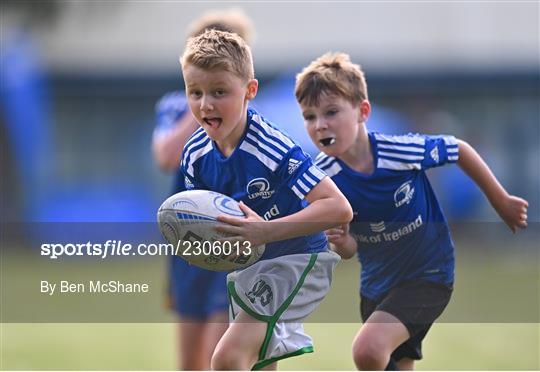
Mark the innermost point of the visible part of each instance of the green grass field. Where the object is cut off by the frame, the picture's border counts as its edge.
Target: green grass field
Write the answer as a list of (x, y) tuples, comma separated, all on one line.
[(491, 323), (151, 347)]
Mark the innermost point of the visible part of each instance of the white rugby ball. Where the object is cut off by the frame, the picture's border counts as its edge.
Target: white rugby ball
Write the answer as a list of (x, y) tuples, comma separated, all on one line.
[(187, 220)]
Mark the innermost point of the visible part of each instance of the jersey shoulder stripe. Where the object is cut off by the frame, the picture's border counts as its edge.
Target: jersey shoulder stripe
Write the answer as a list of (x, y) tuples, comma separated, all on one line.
[(323, 160), (198, 152), (196, 141), (261, 135), (260, 141), (401, 155), (409, 140), (196, 136), (400, 148), (397, 164), (262, 148), (268, 144), (329, 165), (268, 161), (332, 169), (320, 156), (278, 138), (400, 152)]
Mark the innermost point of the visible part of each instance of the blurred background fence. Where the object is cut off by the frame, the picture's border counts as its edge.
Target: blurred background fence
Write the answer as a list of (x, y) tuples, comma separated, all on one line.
[(80, 80)]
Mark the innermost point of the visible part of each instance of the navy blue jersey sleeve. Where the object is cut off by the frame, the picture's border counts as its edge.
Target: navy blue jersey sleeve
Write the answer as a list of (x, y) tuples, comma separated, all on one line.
[(169, 109), (298, 171)]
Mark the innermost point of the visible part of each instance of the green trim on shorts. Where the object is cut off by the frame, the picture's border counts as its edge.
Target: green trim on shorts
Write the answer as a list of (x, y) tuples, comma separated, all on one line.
[(229, 297), (264, 363), (272, 320), (285, 305)]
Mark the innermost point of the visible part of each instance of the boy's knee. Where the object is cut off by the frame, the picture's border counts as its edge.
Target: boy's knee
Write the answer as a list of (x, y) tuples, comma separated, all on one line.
[(221, 360), (368, 355), (228, 358)]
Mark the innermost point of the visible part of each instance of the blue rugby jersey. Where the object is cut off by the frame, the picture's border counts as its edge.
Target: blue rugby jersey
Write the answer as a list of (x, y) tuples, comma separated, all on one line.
[(268, 171), (398, 224)]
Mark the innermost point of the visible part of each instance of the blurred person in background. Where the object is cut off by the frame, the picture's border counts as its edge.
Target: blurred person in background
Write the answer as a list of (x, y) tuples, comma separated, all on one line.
[(27, 133), (399, 231), (198, 296)]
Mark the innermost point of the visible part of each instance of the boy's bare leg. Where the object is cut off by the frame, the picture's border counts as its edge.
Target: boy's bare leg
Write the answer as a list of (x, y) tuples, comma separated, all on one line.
[(377, 339), (270, 367), (239, 347), (215, 328), (405, 364)]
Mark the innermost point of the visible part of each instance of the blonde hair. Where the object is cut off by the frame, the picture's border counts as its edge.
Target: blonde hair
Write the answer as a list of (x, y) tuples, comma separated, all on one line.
[(230, 20), (332, 73), (219, 50)]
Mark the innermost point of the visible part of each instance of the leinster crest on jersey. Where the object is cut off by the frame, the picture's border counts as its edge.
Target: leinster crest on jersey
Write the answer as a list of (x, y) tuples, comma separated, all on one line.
[(259, 187), (404, 194)]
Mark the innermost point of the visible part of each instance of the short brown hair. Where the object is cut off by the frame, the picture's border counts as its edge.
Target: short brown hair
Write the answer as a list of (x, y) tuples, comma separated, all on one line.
[(332, 73), (230, 20), (220, 50)]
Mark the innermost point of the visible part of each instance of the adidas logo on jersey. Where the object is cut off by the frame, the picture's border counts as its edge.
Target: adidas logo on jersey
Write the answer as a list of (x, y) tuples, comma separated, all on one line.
[(189, 185), (293, 165), (435, 154)]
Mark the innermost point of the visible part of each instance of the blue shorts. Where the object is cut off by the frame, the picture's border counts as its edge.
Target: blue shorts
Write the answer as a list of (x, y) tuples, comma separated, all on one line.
[(194, 292)]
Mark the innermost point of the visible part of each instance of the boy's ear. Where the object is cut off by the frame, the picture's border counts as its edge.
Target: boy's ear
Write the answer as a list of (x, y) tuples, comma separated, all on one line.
[(252, 88), (365, 109)]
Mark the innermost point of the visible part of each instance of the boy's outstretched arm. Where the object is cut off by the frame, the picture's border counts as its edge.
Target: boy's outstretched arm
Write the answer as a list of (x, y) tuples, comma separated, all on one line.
[(327, 208), (512, 209)]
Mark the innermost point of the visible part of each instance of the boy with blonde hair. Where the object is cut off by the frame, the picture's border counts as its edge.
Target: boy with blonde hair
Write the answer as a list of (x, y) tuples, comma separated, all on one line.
[(399, 232), (238, 153), (174, 122), (198, 296)]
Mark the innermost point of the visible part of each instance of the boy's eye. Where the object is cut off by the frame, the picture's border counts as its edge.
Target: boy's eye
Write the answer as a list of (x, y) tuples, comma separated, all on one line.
[(195, 93), (331, 112), (309, 117), (219, 92)]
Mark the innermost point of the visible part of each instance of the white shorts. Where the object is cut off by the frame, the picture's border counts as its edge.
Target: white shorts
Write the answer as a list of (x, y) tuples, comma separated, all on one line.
[(282, 292)]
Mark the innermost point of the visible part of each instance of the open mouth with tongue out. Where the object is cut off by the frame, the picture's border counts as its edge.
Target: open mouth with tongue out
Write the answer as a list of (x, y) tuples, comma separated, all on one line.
[(213, 122), (327, 141)]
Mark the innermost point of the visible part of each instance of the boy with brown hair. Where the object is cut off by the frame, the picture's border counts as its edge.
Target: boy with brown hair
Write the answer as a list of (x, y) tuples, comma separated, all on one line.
[(238, 153), (399, 232)]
